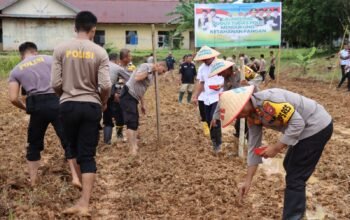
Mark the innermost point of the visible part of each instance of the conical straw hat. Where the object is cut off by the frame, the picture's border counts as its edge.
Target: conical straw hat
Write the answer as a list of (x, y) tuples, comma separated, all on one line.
[(232, 103), (218, 66), (206, 53)]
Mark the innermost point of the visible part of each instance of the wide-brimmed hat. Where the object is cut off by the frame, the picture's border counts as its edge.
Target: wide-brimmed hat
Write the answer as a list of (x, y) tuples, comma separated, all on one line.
[(218, 66), (232, 103), (206, 53)]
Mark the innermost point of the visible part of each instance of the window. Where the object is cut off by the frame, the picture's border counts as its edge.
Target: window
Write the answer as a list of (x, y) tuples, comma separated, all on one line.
[(163, 39), (131, 38), (100, 38), (0, 36)]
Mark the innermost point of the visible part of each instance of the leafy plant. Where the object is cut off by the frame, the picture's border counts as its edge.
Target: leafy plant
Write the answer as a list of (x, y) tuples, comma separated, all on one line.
[(110, 48), (183, 15), (304, 61)]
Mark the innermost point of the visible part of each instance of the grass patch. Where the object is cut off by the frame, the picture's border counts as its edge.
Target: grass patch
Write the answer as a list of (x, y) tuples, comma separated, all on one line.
[(322, 68)]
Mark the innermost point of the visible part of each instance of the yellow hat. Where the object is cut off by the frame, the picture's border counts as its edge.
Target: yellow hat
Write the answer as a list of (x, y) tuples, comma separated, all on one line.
[(218, 66), (206, 53), (232, 103), (248, 72)]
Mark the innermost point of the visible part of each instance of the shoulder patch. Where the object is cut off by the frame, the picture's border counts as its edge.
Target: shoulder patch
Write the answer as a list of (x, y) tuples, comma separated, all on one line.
[(280, 111)]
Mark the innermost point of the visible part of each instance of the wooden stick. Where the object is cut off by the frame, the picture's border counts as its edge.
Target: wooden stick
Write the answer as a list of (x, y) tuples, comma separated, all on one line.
[(156, 83), (279, 65), (337, 62), (241, 144)]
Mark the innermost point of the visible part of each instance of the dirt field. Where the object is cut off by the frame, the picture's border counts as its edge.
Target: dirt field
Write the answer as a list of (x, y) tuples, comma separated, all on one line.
[(181, 178)]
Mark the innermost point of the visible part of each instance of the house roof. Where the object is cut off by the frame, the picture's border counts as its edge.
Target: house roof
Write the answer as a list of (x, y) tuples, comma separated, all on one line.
[(120, 11), (129, 11)]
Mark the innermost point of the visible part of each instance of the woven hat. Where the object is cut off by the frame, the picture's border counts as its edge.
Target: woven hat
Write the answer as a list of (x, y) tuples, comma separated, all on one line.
[(218, 66), (232, 103), (206, 53)]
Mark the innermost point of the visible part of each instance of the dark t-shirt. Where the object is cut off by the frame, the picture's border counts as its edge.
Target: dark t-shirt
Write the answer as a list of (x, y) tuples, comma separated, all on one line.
[(188, 72), (170, 61)]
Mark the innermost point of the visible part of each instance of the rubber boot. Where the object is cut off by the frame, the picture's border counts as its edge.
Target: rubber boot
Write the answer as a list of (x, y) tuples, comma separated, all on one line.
[(206, 130), (181, 95), (294, 205), (107, 134), (189, 97), (215, 136), (119, 130)]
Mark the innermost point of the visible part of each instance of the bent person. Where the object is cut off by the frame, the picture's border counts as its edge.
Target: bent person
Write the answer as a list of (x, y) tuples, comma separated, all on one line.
[(33, 73), (306, 128), (132, 94)]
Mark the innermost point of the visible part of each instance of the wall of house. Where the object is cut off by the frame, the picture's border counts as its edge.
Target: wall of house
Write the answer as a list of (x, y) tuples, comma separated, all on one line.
[(45, 33), (116, 34)]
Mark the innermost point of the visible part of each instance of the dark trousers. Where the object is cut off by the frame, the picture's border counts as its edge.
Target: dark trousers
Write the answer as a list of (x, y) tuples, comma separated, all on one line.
[(81, 122), (201, 107), (263, 74), (272, 72), (346, 75), (44, 110), (215, 132), (300, 163), (129, 106), (113, 111)]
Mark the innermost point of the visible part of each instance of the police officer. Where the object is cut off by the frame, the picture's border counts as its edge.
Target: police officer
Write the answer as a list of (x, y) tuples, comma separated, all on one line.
[(306, 128), (118, 77), (33, 73)]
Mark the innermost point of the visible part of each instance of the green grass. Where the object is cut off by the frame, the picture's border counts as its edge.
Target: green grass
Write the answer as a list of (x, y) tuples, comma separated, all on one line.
[(317, 70)]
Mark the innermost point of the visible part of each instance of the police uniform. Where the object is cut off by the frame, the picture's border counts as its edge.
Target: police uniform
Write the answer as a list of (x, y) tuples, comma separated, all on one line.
[(118, 76), (306, 128), (42, 104)]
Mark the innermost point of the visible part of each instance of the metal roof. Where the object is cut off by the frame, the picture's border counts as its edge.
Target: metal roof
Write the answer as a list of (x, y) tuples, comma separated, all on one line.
[(117, 11), (127, 11)]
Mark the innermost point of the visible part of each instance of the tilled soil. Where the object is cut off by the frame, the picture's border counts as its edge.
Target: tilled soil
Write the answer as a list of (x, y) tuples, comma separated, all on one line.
[(179, 178)]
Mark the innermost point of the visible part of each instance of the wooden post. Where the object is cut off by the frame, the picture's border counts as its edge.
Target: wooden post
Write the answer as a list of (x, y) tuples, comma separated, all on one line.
[(337, 62), (241, 145), (278, 65), (156, 81)]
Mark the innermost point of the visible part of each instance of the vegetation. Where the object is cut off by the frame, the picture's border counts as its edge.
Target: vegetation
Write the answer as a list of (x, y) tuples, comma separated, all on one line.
[(304, 60), (305, 23)]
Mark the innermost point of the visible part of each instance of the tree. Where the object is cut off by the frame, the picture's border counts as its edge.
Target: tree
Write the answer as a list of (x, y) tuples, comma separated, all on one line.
[(184, 15)]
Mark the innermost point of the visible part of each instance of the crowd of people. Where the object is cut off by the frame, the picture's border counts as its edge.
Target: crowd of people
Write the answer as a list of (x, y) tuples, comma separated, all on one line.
[(81, 84)]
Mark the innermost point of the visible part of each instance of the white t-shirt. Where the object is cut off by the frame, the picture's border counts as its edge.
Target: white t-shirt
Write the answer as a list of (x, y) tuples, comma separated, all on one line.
[(344, 53), (210, 95), (202, 68)]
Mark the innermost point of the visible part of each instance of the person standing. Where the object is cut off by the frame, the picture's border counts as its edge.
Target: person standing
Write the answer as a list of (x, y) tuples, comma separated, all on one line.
[(33, 73), (118, 76), (272, 65), (262, 68), (306, 128), (132, 94), (188, 74), (80, 76), (212, 88), (170, 63), (344, 56)]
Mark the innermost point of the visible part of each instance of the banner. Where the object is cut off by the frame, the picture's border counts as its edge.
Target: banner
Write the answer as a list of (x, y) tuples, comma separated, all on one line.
[(238, 25)]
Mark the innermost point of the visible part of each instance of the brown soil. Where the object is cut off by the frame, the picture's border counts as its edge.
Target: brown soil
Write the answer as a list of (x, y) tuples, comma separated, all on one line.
[(178, 179)]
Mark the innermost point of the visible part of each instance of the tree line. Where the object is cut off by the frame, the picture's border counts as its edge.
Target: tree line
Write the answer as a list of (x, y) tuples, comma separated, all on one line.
[(305, 23)]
